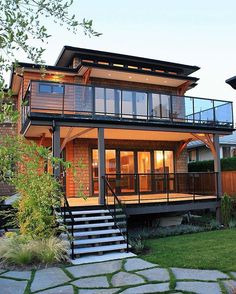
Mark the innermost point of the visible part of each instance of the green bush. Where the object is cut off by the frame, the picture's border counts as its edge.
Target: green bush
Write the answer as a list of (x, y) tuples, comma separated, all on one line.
[(137, 244), (226, 209), (227, 164), (19, 250)]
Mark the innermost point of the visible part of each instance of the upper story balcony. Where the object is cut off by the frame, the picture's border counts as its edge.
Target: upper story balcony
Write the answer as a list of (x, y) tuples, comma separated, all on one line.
[(75, 101)]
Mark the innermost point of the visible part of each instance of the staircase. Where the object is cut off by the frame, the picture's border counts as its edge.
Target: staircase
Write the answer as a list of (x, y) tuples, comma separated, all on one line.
[(95, 231)]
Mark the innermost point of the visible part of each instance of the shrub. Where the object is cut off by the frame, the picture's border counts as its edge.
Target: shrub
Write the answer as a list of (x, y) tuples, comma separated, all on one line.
[(226, 209), (137, 244), (19, 250), (232, 223), (227, 164)]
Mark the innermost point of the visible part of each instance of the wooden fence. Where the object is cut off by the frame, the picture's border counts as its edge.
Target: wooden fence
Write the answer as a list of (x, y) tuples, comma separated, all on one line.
[(229, 182)]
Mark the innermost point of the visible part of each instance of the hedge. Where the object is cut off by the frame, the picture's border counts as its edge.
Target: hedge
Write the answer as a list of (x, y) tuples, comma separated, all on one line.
[(227, 164)]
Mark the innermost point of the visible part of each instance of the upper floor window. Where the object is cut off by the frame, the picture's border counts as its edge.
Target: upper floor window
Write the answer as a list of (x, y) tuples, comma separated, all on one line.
[(51, 88)]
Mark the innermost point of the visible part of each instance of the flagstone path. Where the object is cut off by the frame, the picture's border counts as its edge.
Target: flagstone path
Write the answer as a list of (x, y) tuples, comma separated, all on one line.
[(127, 276)]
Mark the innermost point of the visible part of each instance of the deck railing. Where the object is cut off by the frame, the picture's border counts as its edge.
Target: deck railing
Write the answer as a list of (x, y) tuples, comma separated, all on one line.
[(87, 101), (166, 187)]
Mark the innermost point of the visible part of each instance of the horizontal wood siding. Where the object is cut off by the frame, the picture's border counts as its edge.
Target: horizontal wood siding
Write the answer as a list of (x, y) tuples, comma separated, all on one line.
[(229, 182)]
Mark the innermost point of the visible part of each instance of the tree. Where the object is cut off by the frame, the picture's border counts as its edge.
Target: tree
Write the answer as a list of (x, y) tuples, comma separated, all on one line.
[(22, 23)]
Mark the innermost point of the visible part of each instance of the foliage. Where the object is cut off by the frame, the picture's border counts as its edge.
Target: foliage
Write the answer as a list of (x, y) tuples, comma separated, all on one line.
[(232, 223), (20, 250), (40, 193), (137, 244), (226, 209), (227, 164), (205, 250), (161, 232), (23, 27)]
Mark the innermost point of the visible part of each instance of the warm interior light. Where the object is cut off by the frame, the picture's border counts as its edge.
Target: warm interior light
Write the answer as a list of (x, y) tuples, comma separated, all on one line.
[(159, 156), (147, 79), (109, 74), (165, 82), (130, 77)]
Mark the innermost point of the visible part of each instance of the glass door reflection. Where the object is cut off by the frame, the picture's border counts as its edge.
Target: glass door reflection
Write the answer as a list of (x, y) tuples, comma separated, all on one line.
[(144, 170), (127, 178)]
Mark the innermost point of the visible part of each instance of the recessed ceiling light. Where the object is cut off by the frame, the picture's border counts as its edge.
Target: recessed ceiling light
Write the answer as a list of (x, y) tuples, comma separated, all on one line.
[(109, 74), (147, 79), (165, 82), (130, 77)]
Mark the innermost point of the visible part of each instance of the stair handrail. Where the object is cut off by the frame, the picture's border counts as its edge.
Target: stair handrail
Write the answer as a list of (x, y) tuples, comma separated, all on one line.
[(113, 213), (68, 208)]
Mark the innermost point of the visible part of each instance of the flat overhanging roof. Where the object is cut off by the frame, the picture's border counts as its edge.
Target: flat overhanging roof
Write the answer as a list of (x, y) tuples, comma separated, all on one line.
[(232, 82)]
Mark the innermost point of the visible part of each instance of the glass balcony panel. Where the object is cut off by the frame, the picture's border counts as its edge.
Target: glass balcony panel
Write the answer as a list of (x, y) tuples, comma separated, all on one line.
[(100, 94), (203, 111), (113, 102), (182, 108), (165, 106), (141, 105), (128, 110), (223, 112), (78, 99), (154, 106)]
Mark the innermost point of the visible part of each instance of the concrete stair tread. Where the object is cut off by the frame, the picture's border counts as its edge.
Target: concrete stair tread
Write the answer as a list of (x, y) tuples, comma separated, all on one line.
[(87, 226), (97, 232), (99, 249), (90, 218), (85, 212), (99, 240)]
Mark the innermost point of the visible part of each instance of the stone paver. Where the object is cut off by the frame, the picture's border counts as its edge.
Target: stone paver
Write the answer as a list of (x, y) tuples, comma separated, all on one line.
[(8, 286), (95, 269), (59, 290), (148, 288), (50, 277), (230, 286), (18, 275), (155, 274), (125, 279), (199, 287), (93, 282), (134, 264), (194, 274), (99, 291)]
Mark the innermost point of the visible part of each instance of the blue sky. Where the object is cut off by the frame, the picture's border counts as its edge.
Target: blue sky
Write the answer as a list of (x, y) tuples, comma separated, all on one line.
[(193, 32)]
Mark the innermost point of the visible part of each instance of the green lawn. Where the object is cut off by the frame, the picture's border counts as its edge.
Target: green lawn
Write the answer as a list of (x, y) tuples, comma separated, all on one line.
[(208, 250)]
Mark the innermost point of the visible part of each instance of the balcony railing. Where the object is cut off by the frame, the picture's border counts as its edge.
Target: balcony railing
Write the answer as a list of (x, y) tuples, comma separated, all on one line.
[(163, 188), (124, 105)]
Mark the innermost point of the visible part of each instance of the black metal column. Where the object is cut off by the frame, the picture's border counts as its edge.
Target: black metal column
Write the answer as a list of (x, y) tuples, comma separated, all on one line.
[(101, 165), (56, 148)]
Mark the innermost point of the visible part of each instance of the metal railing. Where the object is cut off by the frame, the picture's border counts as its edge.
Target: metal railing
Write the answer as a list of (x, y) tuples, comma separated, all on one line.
[(124, 105), (67, 208), (117, 211), (163, 187)]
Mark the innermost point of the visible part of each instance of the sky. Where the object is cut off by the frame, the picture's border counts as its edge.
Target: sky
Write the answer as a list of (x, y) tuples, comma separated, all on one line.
[(198, 33)]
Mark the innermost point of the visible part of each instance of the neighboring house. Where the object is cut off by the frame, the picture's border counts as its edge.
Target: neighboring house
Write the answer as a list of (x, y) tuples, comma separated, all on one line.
[(129, 122), (198, 151)]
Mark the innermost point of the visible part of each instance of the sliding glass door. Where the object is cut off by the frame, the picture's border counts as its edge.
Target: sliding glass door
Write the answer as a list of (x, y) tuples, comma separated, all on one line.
[(133, 171)]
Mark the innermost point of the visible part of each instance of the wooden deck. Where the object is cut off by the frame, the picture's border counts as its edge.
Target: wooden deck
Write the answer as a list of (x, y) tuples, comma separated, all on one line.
[(145, 198)]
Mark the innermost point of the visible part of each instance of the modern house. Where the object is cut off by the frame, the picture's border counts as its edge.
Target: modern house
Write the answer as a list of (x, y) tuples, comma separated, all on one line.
[(127, 119), (198, 151)]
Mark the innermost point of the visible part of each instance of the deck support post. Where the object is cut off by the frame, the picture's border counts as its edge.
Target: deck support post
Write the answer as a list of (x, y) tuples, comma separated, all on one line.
[(217, 167), (56, 149), (101, 165)]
